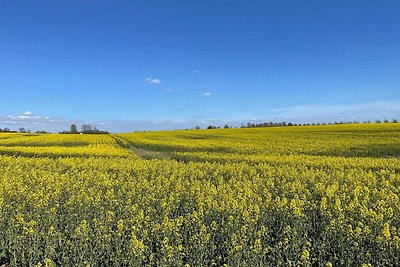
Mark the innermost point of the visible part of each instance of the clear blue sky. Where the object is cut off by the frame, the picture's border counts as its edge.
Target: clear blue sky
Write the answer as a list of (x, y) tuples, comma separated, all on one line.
[(160, 64)]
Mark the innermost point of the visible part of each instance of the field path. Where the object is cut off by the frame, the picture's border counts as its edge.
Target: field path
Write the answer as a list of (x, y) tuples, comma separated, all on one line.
[(142, 153), (149, 154)]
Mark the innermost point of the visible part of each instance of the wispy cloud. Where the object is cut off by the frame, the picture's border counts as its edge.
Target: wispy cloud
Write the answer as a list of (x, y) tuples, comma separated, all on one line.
[(33, 122), (319, 112), (194, 71), (167, 124), (173, 90), (153, 81), (207, 94), (332, 112)]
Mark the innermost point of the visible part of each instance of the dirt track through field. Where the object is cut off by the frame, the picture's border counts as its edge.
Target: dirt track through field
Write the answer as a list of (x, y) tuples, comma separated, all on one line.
[(148, 154)]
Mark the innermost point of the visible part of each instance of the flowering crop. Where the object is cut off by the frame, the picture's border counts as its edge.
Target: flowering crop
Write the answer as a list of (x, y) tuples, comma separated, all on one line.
[(293, 196)]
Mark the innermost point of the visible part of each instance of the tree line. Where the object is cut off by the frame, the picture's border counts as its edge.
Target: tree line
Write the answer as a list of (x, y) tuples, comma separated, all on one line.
[(85, 129), (284, 124), (20, 130)]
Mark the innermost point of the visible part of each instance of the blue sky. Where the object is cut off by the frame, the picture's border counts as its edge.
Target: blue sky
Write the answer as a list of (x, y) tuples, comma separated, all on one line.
[(132, 65)]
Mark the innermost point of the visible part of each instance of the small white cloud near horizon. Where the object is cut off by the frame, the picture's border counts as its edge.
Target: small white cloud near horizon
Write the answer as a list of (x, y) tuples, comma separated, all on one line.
[(153, 81), (207, 94), (172, 90), (35, 122), (194, 71), (327, 112)]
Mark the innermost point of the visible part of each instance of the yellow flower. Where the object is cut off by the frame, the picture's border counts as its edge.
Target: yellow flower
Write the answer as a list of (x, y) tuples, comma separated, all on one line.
[(305, 255)]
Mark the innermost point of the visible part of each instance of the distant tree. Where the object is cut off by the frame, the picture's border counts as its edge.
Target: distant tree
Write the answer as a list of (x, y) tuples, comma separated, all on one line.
[(197, 127), (226, 126), (378, 121), (74, 129), (86, 128), (386, 121), (394, 121), (6, 130), (22, 130)]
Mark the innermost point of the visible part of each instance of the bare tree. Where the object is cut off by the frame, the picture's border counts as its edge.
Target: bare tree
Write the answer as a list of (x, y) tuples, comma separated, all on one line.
[(86, 128)]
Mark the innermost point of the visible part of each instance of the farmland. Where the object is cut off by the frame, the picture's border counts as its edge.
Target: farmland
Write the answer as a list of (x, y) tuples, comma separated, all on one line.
[(284, 196)]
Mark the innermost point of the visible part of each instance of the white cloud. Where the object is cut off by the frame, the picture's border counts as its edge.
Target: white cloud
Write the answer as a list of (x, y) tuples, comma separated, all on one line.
[(153, 81), (33, 122), (166, 124), (207, 94), (173, 90), (194, 71), (326, 112), (320, 112), (51, 124)]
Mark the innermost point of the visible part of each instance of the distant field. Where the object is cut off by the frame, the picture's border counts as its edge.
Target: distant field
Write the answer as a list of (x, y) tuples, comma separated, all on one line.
[(287, 196)]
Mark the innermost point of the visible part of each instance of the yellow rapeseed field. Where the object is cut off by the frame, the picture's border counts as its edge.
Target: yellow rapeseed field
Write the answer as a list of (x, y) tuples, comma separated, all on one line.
[(287, 196)]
